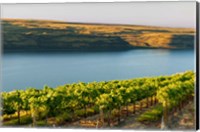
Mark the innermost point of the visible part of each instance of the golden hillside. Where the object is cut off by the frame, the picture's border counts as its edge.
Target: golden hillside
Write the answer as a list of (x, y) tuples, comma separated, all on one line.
[(44, 34)]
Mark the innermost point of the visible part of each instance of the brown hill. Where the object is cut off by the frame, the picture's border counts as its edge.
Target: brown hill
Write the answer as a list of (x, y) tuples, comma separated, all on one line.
[(19, 34)]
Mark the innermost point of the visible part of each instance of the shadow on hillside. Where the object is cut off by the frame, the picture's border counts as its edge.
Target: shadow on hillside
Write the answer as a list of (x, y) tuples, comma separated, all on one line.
[(182, 41)]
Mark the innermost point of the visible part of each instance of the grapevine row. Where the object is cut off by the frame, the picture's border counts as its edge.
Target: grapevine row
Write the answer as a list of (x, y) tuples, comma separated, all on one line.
[(101, 97)]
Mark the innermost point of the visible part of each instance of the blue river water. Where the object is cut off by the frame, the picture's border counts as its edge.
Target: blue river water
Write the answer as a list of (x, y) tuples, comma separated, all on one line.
[(21, 70)]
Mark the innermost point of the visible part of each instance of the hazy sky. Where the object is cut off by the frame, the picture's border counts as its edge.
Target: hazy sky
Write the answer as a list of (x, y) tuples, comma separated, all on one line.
[(169, 14)]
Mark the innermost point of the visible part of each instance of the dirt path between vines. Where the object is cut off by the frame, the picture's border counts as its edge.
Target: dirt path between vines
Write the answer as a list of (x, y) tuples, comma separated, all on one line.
[(184, 119), (132, 123), (124, 119), (181, 120)]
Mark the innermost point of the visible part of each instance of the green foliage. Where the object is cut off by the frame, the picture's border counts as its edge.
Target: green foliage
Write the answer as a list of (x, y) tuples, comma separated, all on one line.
[(173, 93), (41, 123), (23, 121), (153, 114), (80, 99)]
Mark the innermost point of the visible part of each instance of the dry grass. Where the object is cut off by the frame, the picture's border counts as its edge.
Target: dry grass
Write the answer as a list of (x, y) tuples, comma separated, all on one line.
[(145, 36)]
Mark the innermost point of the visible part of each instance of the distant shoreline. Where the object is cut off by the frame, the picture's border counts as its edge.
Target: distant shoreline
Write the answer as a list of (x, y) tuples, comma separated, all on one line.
[(38, 35), (84, 50)]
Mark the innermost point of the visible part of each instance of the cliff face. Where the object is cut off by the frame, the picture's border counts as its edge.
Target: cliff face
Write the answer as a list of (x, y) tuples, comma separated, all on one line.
[(40, 34)]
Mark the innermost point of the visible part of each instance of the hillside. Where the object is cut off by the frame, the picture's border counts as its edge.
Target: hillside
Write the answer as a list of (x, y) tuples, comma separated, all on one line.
[(19, 34)]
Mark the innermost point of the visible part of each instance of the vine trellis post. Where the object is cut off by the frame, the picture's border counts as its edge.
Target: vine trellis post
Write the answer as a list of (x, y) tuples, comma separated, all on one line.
[(164, 122)]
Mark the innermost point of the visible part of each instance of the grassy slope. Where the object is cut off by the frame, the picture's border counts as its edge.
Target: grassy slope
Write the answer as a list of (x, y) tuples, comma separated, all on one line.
[(43, 34)]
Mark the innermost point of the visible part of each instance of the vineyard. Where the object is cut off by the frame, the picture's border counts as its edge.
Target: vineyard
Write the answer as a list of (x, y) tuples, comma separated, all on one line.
[(99, 104)]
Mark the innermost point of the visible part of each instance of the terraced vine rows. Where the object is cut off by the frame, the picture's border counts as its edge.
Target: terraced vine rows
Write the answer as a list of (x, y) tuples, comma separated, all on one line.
[(74, 102)]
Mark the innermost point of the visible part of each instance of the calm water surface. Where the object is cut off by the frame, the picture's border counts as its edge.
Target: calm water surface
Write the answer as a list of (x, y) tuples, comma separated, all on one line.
[(23, 70)]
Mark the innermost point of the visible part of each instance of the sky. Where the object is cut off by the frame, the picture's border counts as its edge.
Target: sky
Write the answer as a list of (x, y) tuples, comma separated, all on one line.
[(164, 14)]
